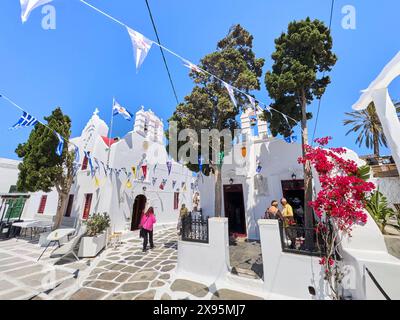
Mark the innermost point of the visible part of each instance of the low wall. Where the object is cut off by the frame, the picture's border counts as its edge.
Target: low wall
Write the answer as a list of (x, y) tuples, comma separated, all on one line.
[(209, 261), (286, 273)]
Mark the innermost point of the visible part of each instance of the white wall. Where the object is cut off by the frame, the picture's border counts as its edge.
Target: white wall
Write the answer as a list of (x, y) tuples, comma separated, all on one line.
[(286, 273), (207, 261), (8, 174)]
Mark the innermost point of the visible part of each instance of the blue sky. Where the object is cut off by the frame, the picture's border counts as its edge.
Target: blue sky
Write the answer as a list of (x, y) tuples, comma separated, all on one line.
[(88, 59)]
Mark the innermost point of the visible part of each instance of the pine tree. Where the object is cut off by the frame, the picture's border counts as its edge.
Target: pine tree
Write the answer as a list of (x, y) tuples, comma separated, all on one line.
[(209, 105), (302, 57)]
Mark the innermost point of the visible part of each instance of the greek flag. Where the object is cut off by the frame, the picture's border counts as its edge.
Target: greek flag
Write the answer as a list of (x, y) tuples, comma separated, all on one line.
[(291, 139), (88, 156), (118, 109), (60, 145), (26, 120)]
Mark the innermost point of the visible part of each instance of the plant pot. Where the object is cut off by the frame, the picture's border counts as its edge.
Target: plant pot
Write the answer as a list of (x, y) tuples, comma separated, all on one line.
[(91, 246)]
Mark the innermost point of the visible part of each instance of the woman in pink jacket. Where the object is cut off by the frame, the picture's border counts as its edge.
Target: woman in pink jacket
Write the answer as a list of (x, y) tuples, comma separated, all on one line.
[(146, 224)]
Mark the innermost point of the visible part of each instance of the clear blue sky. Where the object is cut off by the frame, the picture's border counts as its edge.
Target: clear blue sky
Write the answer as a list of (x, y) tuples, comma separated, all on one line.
[(88, 59)]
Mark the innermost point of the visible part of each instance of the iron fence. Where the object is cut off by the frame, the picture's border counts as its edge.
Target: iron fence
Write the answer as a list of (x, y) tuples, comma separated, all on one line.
[(301, 240), (195, 229)]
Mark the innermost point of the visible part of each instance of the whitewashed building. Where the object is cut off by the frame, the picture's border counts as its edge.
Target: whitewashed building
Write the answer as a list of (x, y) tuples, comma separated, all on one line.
[(117, 176)]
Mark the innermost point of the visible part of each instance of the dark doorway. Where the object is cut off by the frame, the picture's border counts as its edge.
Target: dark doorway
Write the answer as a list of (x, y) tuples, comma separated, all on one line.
[(293, 191), (234, 209), (138, 207)]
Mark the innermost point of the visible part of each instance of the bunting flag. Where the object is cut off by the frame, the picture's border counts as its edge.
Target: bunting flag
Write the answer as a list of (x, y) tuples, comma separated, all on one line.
[(77, 158), (231, 93), (118, 109), (128, 184), (154, 180), (252, 102), (291, 139), (134, 172), (144, 170), (259, 167), (26, 120), (183, 184), (201, 164), (27, 6), (173, 184), (97, 165), (87, 155), (154, 168), (169, 166), (192, 66), (163, 183), (60, 145), (96, 182), (141, 46), (104, 168), (184, 187)]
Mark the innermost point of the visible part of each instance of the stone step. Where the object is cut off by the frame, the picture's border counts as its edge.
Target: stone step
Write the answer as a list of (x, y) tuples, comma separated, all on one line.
[(245, 273)]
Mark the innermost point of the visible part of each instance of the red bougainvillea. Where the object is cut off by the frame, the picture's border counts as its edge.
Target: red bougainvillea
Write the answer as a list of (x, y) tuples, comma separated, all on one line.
[(340, 203)]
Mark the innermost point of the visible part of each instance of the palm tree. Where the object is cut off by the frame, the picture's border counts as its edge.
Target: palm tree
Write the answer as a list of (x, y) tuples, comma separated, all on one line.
[(368, 126)]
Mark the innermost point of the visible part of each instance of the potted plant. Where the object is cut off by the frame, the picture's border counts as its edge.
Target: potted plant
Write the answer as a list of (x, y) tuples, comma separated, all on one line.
[(95, 237)]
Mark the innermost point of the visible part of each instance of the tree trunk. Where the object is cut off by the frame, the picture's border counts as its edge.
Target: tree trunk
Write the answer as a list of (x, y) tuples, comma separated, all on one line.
[(218, 192), (376, 145), (308, 213), (61, 207)]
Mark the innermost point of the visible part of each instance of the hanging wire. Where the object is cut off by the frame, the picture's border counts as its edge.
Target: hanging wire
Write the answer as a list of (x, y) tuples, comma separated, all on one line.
[(162, 52), (323, 75)]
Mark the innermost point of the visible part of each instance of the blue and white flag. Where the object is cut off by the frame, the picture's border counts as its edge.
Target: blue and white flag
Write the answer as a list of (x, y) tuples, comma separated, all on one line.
[(231, 93), (87, 155), (252, 102), (291, 139), (28, 5), (77, 158), (26, 120), (118, 109), (60, 145)]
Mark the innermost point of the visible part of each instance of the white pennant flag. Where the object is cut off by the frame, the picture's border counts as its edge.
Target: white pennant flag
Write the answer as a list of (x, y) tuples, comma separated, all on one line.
[(141, 46), (28, 5), (231, 93), (192, 66), (252, 101)]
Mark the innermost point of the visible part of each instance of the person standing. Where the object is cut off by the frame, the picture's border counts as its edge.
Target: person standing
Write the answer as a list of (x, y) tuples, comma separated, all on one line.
[(287, 213), (146, 224), (273, 212), (183, 214)]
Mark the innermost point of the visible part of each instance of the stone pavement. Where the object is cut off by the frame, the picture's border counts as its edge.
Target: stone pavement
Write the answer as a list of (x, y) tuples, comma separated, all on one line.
[(23, 277), (126, 273), (246, 258)]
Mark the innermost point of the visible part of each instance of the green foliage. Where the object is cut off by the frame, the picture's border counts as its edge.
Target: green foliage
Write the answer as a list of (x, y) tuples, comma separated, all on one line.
[(364, 172), (302, 55), (368, 126), (97, 223), (378, 208), (41, 169), (209, 106)]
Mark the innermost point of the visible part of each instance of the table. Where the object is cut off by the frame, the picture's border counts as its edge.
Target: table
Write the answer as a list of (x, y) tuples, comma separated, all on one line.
[(56, 236), (33, 224)]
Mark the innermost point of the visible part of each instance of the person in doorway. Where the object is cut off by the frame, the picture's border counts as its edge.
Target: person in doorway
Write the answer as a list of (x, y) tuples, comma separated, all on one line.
[(298, 212), (146, 228), (183, 214), (287, 213), (273, 212)]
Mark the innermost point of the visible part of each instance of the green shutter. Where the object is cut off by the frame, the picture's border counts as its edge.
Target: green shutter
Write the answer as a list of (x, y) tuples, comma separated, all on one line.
[(15, 207)]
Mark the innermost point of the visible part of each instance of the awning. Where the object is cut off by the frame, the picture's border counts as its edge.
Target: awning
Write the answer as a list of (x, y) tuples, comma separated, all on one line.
[(109, 141)]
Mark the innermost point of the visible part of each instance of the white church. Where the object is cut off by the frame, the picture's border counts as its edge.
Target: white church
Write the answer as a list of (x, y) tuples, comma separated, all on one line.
[(117, 176)]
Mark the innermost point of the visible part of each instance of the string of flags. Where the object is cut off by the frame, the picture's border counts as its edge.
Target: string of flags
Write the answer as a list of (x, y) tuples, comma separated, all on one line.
[(141, 47)]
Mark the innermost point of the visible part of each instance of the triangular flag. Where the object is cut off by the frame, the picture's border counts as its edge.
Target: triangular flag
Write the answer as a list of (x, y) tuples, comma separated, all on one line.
[(169, 166), (141, 46), (252, 102), (192, 66), (27, 6), (96, 182), (128, 184), (144, 170), (154, 180), (134, 172), (231, 93)]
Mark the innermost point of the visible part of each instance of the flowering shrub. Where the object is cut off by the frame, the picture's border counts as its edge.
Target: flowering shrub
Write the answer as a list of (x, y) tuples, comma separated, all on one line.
[(339, 205)]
